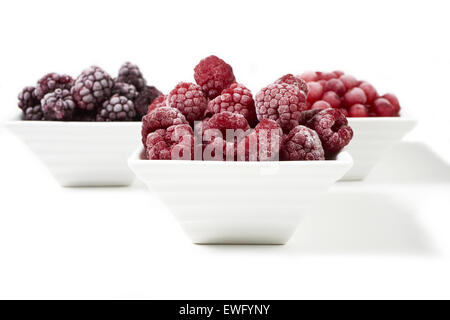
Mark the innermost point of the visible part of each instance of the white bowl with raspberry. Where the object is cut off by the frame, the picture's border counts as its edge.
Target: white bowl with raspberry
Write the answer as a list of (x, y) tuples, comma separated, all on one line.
[(82, 153), (256, 202)]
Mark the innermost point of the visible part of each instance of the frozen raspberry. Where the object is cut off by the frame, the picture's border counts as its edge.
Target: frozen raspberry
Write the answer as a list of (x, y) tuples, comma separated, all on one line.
[(309, 76), (335, 85), (130, 73), (189, 99), (174, 143), (160, 118), (343, 111), (145, 99), (295, 80), (358, 110), (306, 116), (91, 88), (301, 143), (226, 120), (315, 91), (332, 127), (117, 108), (33, 113), (52, 81), (282, 103), (320, 105), (394, 101), (238, 99), (354, 96), (125, 89), (348, 81), (383, 108), (58, 105), (332, 98), (369, 90), (213, 75), (263, 143), (27, 98), (159, 102)]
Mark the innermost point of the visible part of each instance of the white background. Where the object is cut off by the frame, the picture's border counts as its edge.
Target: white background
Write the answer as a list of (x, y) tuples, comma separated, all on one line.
[(394, 242)]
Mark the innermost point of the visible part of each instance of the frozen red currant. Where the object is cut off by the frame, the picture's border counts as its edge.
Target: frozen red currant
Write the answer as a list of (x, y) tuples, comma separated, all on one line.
[(354, 96), (358, 110)]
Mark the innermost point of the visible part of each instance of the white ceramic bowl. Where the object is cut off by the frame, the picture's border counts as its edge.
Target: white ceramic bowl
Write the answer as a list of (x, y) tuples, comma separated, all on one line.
[(239, 202), (82, 153), (372, 137)]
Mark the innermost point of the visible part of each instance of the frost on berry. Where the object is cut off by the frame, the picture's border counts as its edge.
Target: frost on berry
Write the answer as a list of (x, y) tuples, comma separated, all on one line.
[(358, 110), (332, 98), (117, 108), (369, 90), (394, 101), (336, 86), (174, 143), (309, 76), (213, 75), (58, 105), (315, 91), (130, 73), (52, 81), (320, 105), (354, 96), (27, 98), (383, 108), (189, 99), (295, 80), (349, 81), (302, 143), (282, 103), (125, 89), (159, 102)]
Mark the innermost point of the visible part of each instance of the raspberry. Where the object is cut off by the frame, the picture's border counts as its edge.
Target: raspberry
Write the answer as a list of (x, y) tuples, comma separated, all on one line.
[(394, 101), (383, 108), (52, 81), (344, 111), (263, 143), (145, 99), (320, 105), (117, 108), (332, 98), (125, 89), (348, 81), (295, 80), (160, 118), (58, 105), (315, 91), (189, 99), (369, 90), (358, 110), (91, 88), (306, 116), (213, 75), (226, 120), (309, 76), (332, 127), (159, 102), (335, 85), (27, 98), (301, 143), (33, 113), (238, 99), (174, 143), (282, 103), (130, 73), (354, 96)]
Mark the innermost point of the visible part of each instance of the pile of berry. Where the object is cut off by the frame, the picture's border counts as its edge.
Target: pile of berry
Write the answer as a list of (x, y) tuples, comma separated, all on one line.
[(355, 98), (93, 96), (193, 122)]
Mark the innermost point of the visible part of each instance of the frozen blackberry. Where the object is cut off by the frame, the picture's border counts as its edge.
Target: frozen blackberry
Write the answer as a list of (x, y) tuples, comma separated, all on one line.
[(52, 81), (58, 105), (125, 89), (145, 99), (84, 115), (92, 87), (117, 108), (33, 113), (27, 98), (130, 73)]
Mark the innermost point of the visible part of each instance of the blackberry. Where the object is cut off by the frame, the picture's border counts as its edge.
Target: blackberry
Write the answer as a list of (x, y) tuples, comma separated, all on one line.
[(130, 73), (84, 115), (145, 99), (33, 113), (52, 81), (91, 88), (58, 105), (125, 89), (27, 98), (117, 108)]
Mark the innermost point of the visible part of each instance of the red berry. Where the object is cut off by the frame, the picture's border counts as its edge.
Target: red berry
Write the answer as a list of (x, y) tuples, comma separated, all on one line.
[(349, 81), (301, 143), (394, 101), (383, 108), (354, 96), (315, 91), (344, 111), (338, 73), (323, 83), (358, 110), (309, 76), (213, 75), (189, 99), (295, 80), (306, 116), (327, 75), (282, 103), (332, 98), (369, 90), (174, 143), (159, 102), (226, 120), (238, 99), (320, 105), (335, 85)]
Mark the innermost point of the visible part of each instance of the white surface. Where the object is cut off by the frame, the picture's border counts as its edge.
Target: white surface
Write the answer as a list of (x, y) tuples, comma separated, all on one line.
[(82, 154), (219, 202), (387, 237)]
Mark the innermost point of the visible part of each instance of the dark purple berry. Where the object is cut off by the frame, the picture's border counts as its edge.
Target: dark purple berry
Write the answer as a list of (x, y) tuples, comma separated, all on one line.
[(52, 81), (117, 108), (27, 98), (58, 105), (145, 99), (33, 113), (130, 73), (125, 89)]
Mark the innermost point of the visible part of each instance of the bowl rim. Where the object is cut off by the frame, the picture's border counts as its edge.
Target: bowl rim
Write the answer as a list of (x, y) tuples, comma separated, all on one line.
[(17, 121), (404, 118)]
